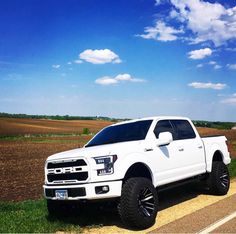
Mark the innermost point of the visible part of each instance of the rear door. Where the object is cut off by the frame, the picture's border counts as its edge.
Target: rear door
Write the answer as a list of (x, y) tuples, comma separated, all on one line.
[(189, 148)]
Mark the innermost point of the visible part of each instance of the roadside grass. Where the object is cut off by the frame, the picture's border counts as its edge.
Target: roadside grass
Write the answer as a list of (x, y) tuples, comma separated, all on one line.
[(31, 216), (232, 168)]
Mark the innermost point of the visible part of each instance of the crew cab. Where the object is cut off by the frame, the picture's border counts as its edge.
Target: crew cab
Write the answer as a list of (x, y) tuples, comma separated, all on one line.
[(129, 161)]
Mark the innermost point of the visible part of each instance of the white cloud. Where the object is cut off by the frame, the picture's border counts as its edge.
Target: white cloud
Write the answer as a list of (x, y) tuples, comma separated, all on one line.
[(56, 66), (69, 63), (231, 49), (199, 85), (212, 63), (232, 66), (207, 21), (217, 67), (123, 77), (199, 65), (100, 56), (200, 54), (108, 80), (78, 61), (161, 32), (158, 2), (199, 20), (229, 101)]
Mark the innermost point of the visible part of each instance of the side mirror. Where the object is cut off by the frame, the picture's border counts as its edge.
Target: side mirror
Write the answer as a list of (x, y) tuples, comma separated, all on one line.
[(165, 138)]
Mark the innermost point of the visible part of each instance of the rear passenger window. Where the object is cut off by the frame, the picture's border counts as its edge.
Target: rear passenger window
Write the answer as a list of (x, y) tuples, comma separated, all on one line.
[(183, 129), (163, 126)]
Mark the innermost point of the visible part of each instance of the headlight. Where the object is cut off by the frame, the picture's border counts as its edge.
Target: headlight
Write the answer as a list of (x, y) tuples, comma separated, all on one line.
[(108, 162)]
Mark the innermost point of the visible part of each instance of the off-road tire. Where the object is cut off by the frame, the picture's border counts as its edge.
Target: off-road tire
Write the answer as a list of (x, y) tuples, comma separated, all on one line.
[(219, 180), (138, 203), (57, 208)]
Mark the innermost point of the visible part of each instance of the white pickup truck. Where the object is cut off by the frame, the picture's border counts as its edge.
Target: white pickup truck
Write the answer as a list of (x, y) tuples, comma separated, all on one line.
[(129, 161)]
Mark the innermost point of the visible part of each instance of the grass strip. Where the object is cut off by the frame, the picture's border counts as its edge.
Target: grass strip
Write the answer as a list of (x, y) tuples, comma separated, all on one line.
[(28, 136), (232, 168), (31, 216)]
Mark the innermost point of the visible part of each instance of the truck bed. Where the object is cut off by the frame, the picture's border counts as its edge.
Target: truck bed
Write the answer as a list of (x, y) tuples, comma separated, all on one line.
[(213, 144)]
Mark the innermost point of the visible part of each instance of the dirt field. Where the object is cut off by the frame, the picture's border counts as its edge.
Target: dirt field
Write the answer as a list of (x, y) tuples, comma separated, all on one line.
[(230, 135), (22, 158), (22, 154), (13, 126)]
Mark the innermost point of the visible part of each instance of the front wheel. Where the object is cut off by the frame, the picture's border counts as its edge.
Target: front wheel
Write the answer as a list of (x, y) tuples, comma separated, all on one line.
[(57, 208), (139, 203), (219, 180)]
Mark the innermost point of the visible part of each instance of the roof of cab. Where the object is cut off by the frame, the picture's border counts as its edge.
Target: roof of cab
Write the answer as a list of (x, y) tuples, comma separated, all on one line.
[(151, 118)]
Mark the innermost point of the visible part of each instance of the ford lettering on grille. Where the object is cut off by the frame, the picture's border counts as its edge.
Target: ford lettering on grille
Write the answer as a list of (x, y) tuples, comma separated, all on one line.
[(64, 172)]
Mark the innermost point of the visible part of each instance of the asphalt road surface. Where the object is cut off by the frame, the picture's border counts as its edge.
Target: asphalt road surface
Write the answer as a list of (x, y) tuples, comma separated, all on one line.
[(188, 209)]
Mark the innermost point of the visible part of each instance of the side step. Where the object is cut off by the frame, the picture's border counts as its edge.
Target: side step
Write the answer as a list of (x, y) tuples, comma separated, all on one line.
[(181, 182)]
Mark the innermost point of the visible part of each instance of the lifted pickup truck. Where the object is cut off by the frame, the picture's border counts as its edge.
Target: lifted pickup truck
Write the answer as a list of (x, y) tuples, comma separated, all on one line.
[(129, 161)]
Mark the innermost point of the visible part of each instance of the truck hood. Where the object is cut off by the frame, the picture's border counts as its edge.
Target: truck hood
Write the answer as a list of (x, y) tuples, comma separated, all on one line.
[(95, 151)]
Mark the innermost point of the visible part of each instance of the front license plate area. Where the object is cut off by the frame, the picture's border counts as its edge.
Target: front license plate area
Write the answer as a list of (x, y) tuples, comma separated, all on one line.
[(61, 194)]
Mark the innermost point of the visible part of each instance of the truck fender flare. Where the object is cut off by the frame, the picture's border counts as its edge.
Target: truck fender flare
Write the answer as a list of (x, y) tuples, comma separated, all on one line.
[(214, 149)]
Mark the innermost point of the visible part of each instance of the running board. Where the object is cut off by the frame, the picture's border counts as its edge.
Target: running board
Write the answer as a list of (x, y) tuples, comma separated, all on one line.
[(179, 183)]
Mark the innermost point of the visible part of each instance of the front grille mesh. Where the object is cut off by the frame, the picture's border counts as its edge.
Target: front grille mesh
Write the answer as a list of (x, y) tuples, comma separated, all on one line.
[(79, 176), (79, 162)]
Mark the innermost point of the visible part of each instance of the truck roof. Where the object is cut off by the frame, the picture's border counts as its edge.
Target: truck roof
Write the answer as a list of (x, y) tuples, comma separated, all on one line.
[(152, 118)]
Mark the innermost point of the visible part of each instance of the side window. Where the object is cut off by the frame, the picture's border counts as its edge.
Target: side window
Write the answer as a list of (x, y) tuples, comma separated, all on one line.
[(163, 126), (183, 129)]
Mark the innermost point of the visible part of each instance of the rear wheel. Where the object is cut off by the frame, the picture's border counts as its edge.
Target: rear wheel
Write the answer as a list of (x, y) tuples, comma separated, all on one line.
[(138, 203), (219, 180)]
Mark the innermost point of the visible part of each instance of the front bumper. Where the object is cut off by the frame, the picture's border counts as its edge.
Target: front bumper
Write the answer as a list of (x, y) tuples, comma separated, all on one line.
[(85, 191)]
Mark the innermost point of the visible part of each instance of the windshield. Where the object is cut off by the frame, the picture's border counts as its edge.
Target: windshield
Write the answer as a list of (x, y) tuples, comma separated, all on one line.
[(119, 133)]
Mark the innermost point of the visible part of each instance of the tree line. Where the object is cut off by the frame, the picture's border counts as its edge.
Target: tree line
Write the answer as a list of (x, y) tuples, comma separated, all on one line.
[(197, 123), (58, 117), (217, 124)]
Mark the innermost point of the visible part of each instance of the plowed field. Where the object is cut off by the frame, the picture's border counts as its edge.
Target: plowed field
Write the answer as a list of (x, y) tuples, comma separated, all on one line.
[(13, 126)]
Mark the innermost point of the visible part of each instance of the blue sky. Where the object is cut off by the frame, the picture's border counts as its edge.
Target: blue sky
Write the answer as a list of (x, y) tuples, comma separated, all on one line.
[(121, 58)]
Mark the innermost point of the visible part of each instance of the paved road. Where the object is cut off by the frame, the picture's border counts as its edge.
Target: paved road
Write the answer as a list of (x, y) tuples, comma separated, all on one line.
[(187, 210), (201, 220)]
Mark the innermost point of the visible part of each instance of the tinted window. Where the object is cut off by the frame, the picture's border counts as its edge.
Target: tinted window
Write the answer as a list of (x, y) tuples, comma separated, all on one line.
[(183, 129), (123, 132), (163, 126)]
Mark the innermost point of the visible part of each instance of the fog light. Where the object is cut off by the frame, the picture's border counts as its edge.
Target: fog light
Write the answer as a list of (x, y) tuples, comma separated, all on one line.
[(102, 189), (105, 188)]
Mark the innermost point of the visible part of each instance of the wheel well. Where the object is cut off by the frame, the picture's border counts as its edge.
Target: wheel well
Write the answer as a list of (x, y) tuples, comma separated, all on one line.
[(138, 170), (217, 156)]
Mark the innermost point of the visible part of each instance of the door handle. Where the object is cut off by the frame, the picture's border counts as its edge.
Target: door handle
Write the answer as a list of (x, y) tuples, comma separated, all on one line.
[(181, 150), (200, 147), (148, 149)]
